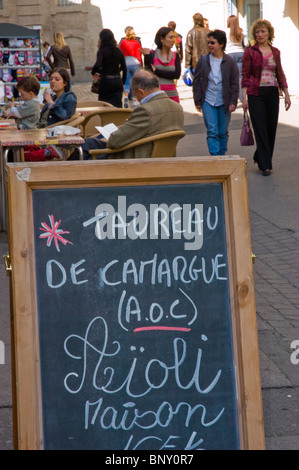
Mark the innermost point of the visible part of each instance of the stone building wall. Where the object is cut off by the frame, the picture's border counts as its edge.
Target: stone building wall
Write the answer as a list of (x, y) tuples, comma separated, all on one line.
[(80, 24)]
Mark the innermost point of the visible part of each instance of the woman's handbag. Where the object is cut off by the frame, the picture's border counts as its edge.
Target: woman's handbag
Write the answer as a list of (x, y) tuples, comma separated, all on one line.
[(95, 86), (246, 134)]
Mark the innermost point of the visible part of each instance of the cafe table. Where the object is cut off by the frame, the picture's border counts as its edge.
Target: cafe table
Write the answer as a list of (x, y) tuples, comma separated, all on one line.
[(16, 140), (7, 124)]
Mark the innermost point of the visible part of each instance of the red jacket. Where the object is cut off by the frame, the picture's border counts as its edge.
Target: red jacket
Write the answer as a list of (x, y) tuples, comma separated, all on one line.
[(130, 47), (252, 69)]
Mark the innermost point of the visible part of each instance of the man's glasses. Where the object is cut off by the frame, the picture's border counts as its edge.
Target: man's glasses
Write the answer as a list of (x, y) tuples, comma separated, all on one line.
[(212, 42)]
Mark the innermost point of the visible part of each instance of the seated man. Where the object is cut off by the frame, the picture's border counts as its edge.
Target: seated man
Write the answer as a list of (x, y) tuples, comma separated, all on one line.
[(156, 114)]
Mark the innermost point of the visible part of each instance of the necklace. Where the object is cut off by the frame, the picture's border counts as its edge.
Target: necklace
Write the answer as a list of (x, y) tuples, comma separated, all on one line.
[(265, 49)]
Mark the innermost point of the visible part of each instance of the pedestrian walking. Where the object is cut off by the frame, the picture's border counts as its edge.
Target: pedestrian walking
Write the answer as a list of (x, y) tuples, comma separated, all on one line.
[(59, 55), (164, 62), (110, 68), (236, 43), (178, 39), (45, 63), (131, 49), (263, 75), (215, 90), (196, 42)]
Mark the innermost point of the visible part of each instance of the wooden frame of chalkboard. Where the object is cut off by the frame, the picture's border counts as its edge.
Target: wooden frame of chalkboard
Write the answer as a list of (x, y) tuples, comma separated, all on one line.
[(183, 178)]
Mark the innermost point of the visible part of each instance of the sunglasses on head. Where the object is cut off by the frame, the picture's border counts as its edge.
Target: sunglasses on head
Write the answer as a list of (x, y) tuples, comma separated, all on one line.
[(212, 42)]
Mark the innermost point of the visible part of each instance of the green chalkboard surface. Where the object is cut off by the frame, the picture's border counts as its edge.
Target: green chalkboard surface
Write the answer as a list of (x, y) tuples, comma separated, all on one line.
[(134, 318)]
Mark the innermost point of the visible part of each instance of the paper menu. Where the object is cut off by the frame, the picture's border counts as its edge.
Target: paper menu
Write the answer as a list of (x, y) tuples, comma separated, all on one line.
[(107, 130)]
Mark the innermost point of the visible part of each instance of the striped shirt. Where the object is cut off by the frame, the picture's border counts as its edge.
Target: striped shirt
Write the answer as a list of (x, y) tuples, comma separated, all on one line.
[(165, 68)]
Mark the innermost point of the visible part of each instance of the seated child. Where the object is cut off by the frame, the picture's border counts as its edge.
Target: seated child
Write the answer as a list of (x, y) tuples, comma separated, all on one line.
[(27, 114)]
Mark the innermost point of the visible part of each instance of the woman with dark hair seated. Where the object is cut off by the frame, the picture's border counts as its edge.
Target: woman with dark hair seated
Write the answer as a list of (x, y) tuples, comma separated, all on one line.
[(59, 105)]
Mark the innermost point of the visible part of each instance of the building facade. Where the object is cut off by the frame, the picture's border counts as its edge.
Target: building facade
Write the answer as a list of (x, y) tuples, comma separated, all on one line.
[(82, 20)]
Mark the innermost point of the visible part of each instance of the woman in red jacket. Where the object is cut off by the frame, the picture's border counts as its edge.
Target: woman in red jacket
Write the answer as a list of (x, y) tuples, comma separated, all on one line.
[(130, 47), (262, 77)]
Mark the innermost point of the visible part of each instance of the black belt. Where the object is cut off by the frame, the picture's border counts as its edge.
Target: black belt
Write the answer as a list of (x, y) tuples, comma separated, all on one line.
[(111, 76)]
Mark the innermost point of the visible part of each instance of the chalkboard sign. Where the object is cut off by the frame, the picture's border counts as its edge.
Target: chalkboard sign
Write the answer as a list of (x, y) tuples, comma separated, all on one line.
[(136, 318)]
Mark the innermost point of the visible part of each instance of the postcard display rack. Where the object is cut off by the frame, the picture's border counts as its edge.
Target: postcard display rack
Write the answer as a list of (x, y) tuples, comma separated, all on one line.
[(20, 55)]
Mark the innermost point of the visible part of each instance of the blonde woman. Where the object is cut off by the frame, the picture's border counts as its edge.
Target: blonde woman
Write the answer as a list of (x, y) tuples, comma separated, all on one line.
[(263, 75), (59, 55), (130, 47)]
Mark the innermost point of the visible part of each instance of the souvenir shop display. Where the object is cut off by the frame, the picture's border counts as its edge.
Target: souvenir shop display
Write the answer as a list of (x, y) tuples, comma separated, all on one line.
[(20, 55)]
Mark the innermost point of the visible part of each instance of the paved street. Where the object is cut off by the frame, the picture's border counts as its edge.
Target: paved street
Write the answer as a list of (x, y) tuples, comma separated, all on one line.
[(273, 204)]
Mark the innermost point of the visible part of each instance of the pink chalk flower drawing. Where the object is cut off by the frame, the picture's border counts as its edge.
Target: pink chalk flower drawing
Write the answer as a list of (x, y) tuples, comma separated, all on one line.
[(53, 232)]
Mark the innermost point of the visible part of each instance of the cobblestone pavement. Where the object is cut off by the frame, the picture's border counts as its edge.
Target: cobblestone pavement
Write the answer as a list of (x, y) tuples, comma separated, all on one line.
[(277, 302), (82, 91), (276, 272)]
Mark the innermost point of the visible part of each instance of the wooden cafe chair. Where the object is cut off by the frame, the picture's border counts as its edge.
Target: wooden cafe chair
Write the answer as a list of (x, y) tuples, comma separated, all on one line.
[(67, 121), (93, 103), (164, 145), (104, 116)]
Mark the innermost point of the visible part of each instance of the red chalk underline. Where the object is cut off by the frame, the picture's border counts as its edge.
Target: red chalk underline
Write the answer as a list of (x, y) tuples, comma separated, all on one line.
[(161, 328)]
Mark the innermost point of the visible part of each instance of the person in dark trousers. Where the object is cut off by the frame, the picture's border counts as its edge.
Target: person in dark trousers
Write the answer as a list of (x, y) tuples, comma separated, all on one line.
[(110, 68), (155, 114), (262, 77)]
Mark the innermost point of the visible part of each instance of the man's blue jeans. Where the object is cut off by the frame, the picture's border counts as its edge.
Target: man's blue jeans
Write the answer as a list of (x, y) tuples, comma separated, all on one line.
[(131, 69), (216, 120)]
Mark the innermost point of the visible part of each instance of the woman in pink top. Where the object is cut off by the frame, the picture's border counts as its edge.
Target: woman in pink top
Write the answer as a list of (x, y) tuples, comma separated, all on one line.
[(262, 77), (164, 62)]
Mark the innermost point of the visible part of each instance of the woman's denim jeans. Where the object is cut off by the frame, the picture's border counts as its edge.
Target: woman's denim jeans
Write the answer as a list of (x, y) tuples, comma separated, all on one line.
[(216, 120), (238, 58)]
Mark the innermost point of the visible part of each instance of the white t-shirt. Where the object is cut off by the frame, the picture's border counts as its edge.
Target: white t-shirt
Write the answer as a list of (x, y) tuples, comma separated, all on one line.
[(232, 47)]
